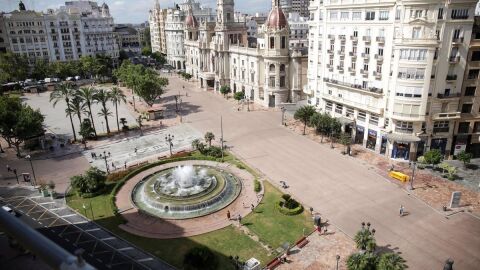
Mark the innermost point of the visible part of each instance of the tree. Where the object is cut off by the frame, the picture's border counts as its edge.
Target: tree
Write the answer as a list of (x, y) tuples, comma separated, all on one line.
[(303, 114), (150, 87), (64, 91), (77, 107), (41, 69), (13, 67), (362, 261), (92, 181), (200, 258), (209, 136), (122, 55), (90, 66), (117, 97), (86, 131), (464, 157), (224, 90), (321, 122), (195, 144), (87, 94), (147, 51), (103, 97), (345, 140), (18, 122), (433, 157), (239, 96), (365, 240), (159, 58), (391, 261)]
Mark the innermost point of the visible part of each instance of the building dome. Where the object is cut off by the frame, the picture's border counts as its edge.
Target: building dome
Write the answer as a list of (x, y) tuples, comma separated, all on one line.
[(191, 21), (105, 6), (276, 19)]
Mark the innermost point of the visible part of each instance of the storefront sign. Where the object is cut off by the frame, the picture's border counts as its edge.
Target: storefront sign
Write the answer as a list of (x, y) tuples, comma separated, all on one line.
[(459, 148)]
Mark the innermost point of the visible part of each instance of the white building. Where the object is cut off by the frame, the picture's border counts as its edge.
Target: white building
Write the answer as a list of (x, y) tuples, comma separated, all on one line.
[(80, 28), (297, 6), (388, 70), (156, 20), (217, 54), (298, 30)]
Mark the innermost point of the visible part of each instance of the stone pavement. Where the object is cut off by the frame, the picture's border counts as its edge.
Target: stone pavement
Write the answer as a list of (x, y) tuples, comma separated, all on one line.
[(339, 187), (153, 227)]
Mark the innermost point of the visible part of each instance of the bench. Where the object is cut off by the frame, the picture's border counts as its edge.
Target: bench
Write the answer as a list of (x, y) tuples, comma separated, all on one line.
[(143, 163), (273, 264), (302, 242), (399, 176), (161, 157)]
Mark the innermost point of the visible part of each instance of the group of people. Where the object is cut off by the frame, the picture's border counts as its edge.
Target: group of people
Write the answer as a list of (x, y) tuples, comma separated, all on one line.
[(94, 155)]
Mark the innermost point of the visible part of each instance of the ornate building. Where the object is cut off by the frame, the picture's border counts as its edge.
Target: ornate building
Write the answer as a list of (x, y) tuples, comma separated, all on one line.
[(218, 54), (157, 28)]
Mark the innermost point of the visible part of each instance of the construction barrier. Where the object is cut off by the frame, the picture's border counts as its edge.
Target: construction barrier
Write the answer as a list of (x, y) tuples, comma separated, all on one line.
[(399, 176)]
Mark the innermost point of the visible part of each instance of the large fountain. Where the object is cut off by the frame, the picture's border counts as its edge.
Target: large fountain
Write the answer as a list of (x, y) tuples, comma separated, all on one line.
[(186, 191)]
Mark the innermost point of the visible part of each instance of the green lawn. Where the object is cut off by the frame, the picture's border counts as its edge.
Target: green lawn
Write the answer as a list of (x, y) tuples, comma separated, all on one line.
[(273, 227)]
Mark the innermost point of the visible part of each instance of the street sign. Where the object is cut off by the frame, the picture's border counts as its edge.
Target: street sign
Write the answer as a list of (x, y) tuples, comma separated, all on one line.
[(455, 200)]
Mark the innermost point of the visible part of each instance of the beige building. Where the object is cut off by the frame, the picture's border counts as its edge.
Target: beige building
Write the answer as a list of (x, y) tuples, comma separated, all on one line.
[(217, 54), (391, 70), (157, 19), (467, 128)]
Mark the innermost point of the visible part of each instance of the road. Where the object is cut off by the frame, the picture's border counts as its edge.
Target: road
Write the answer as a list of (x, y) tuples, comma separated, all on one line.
[(341, 188)]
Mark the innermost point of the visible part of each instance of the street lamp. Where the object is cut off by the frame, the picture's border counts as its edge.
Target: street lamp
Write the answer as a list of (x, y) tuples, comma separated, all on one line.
[(169, 139), (14, 171), (106, 164), (283, 114), (413, 165), (29, 158), (338, 259)]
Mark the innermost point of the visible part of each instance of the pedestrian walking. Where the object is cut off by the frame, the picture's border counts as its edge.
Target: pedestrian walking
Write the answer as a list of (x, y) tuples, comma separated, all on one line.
[(8, 168), (402, 210), (113, 166), (239, 220), (91, 153), (136, 149), (252, 206), (109, 155), (228, 214), (125, 164)]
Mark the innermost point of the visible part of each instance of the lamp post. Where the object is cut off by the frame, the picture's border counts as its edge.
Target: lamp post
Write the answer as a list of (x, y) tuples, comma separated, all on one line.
[(169, 139), (413, 165), (14, 171), (283, 114), (29, 158), (106, 164), (338, 259)]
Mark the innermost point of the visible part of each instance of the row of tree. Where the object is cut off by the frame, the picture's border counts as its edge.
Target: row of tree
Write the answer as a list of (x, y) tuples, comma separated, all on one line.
[(79, 103), (19, 122), (16, 68), (322, 122), (147, 51), (143, 81)]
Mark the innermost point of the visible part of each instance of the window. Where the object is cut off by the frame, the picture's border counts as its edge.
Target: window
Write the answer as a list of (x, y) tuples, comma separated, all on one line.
[(272, 42), (356, 16), (271, 81), (380, 51), (456, 34), (402, 126), (370, 15), (440, 126), (472, 74), (328, 106), (411, 73), (339, 108), (440, 14), (475, 56), (333, 15), (416, 32), (470, 91), (383, 15), (413, 54), (365, 67), (463, 127), (271, 68), (282, 68), (476, 127), (367, 50), (362, 116), (344, 16), (282, 81), (252, 77), (284, 42), (373, 119), (466, 108), (353, 65), (398, 14), (459, 14), (349, 112)]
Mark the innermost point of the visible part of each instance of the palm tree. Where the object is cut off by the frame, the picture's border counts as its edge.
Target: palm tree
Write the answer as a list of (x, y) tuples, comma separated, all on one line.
[(391, 261), (209, 136), (103, 97), (195, 144), (362, 261), (117, 96), (105, 112), (303, 114), (66, 92), (365, 240), (87, 94), (77, 107)]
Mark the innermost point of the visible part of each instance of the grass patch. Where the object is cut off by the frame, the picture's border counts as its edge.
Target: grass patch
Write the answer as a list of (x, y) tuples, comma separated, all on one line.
[(273, 227)]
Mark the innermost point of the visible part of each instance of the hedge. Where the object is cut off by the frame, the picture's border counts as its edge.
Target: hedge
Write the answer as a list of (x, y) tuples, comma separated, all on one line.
[(288, 212), (257, 186)]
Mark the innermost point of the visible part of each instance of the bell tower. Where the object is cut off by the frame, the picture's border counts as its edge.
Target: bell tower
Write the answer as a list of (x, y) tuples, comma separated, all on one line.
[(225, 12)]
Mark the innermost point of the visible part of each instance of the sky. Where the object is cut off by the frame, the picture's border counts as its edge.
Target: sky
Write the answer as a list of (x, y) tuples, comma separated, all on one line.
[(134, 11)]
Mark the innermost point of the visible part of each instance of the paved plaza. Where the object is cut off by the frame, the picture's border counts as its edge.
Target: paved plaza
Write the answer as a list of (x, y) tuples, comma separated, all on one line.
[(147, 146)]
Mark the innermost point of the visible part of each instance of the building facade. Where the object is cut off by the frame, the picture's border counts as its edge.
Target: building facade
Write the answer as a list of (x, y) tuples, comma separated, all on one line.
[(218, 54), (297, 6), (79, 28), (391, 70), (156, 20), (128, 38), (298, 30), (467, 128)]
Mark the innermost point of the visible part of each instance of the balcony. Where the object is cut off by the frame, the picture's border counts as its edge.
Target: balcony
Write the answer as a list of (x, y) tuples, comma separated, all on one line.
[(377, 74), (379, 57), (351, 70), (341, 37), (451, 77), (453, 59), (365, 55), (340, 52), (373, 90), (354, 38), (367, 39), (451, 95), (381, 39), (340, 68), (352, 54), (331, 36), (446, 116), (458, 40), (364, 72), (330, 51)]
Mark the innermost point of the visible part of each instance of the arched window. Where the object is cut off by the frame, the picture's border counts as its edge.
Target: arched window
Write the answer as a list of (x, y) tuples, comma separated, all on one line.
[(272, 68), (12, 32), (282, 68)]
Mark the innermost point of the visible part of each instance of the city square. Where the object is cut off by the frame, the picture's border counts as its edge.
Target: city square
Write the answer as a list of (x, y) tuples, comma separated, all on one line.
[(212, 169)]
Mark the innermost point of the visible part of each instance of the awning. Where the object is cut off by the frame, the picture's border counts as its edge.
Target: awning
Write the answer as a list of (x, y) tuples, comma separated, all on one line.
[(344, 120), (400, 137)]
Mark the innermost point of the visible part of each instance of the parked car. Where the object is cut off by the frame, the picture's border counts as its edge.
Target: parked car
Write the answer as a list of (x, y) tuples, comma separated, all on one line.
[(69, 79), (10, 210), (48, 80), (77, 78)]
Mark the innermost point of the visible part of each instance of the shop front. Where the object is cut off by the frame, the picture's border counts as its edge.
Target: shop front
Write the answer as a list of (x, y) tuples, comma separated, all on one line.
[(440, 144), (371, 139), (383, 146), (403, 145), (359, 134)]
